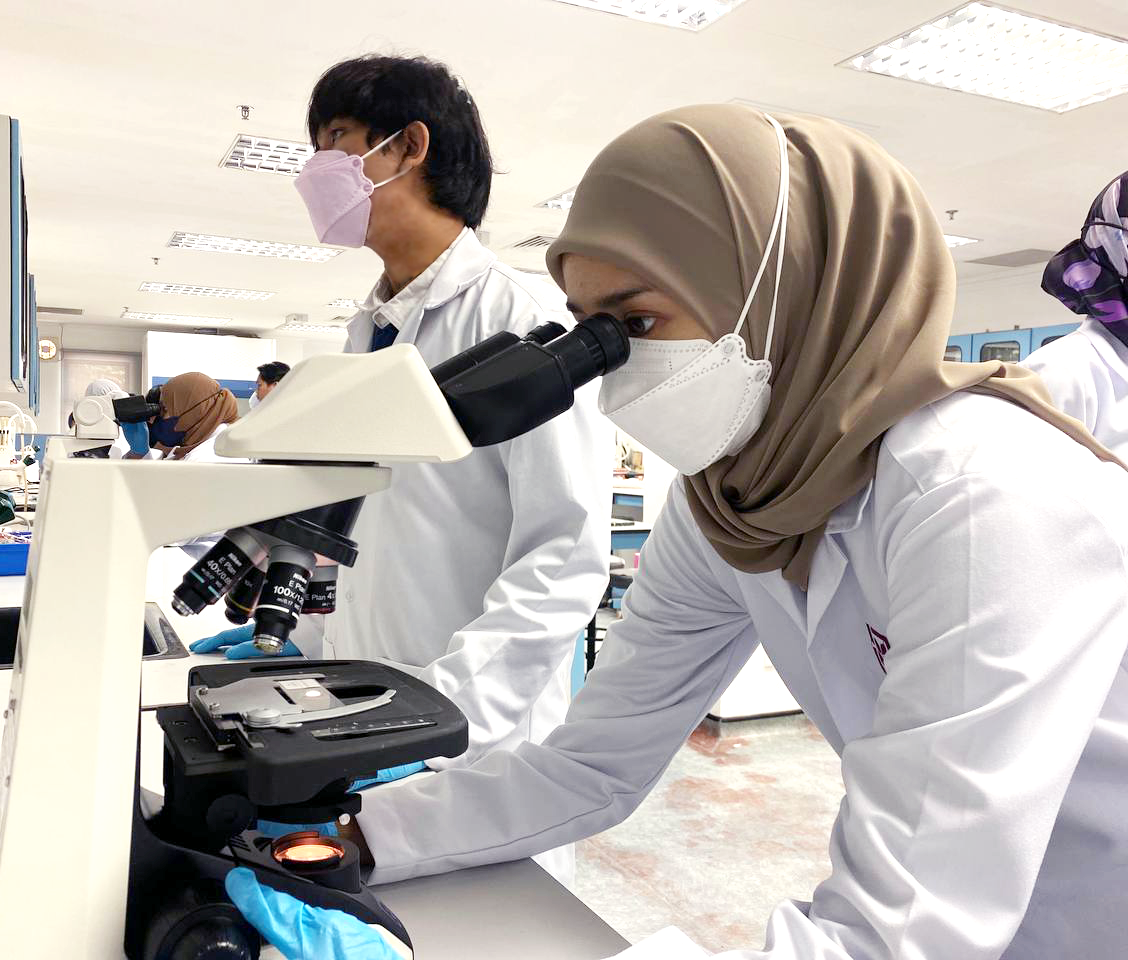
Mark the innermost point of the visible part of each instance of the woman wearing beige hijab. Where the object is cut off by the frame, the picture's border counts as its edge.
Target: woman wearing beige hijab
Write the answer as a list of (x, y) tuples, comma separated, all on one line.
[(195, 410), (932, 556)]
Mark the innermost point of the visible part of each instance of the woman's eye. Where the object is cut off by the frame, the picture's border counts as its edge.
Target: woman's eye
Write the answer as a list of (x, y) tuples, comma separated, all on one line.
[(639, 326)]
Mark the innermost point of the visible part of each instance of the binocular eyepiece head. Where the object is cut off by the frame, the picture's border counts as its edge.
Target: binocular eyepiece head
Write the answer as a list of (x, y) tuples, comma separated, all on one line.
[(135, 410)]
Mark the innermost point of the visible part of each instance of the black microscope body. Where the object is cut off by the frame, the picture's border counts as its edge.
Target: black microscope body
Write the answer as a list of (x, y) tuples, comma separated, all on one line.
[(227, 767)]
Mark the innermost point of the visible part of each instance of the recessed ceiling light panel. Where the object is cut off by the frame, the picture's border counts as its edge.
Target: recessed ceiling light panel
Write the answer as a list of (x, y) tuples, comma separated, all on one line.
[(265, 155), (685, 14), (192, 290), (300, 327), (343, 303), (954, 241), (172, 318), (995, 52), (253, 248)]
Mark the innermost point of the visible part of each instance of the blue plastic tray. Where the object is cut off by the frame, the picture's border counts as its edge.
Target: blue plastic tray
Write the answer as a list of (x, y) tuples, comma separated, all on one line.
[(13, 559)]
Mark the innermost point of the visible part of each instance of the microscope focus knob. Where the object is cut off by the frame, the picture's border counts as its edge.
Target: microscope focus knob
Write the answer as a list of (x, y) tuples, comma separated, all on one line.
[(229, 814)]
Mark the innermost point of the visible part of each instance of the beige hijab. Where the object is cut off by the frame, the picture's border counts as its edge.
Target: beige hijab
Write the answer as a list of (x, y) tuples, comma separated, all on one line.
[(686, 200), (199, 405)]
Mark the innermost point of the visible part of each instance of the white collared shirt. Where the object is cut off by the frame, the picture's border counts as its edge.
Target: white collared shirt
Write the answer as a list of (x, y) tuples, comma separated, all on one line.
[(387, 306)]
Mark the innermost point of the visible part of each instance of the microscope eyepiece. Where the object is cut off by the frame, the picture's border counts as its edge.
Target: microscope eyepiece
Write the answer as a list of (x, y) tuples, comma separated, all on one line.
[(514, 389), (135, 410)]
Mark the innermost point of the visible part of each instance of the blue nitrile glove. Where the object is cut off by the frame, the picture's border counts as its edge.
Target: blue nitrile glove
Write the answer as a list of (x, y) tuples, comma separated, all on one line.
[(388, 774), (238, 642), (302, 932), (137, 436)]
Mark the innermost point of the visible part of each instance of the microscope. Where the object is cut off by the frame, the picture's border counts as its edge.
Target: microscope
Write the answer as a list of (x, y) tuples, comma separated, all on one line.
[(274, 739)]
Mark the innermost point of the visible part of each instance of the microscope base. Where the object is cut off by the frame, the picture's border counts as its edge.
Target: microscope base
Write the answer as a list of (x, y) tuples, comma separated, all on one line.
[(176, 894)]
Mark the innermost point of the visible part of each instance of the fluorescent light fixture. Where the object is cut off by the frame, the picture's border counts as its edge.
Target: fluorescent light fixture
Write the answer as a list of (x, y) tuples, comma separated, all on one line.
[(266, 155), (173, 318), (343, 303), (253, 248), (994, 52), (686, 14), (296, 327), (953, 241), (192, 290), (562, 201)]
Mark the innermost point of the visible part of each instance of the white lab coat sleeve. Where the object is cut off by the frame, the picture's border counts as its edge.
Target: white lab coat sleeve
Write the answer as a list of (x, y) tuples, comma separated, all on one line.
[(1005, 635), (309, 635), (553, 576), (681, 641)]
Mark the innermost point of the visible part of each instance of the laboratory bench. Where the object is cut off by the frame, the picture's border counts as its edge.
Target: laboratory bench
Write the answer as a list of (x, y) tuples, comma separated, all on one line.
[(506, 911)]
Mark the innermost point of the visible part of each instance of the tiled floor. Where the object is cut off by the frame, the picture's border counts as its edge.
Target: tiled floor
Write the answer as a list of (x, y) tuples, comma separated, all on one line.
[(737, 824)]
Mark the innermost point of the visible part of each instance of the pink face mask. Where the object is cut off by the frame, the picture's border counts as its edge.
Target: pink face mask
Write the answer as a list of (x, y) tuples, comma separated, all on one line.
[(336, 192)]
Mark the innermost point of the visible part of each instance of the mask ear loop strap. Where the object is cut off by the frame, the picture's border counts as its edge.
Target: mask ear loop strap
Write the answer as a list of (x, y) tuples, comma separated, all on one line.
[(382, 143), (779, 226)]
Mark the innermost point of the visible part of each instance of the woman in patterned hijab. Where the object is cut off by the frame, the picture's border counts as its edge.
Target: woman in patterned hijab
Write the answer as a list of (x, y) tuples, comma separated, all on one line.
[(1090, 274)]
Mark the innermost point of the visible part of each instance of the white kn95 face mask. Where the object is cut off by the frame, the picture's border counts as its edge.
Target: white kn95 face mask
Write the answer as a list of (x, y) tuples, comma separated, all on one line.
[(693, 402)]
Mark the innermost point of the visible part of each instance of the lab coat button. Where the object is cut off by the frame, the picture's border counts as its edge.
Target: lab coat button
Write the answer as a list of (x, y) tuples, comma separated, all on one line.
[(350, 596)]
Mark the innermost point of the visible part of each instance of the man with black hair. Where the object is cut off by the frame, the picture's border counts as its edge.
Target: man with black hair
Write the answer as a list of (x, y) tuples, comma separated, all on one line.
[(477, 576), (269, 376)]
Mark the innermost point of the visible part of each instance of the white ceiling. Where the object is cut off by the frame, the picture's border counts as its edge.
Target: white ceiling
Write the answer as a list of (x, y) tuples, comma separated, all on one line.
[(128, 106)]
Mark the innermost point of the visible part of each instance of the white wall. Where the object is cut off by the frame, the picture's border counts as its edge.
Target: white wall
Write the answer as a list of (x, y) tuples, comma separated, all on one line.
[(50, 384), (76, 336), (224, 357), (163, 355), (220, 357), (1003, 302), (83, 336), (293, 350)]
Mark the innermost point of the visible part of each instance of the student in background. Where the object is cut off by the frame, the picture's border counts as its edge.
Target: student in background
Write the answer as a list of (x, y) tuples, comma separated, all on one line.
[(269, 376), (1087, 371)]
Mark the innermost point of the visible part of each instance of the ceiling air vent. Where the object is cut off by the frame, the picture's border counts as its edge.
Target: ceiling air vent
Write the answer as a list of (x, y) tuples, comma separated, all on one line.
[(1016, 258), (535, 242)]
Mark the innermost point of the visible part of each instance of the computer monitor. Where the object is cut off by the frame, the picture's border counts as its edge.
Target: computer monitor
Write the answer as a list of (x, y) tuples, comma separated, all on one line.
[(626, 508)]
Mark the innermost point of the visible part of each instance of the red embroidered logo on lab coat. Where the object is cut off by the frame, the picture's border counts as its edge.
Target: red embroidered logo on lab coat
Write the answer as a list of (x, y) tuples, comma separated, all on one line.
[(880, 646)]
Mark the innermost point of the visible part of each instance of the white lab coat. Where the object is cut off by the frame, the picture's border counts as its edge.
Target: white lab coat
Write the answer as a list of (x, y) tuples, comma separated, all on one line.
[(119, 448), (1086, 372), (479, 576), (205, 452), (985, 570)]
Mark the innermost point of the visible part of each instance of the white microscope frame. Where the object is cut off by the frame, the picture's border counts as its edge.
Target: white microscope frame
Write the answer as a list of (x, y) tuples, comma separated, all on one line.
[(69, 745)]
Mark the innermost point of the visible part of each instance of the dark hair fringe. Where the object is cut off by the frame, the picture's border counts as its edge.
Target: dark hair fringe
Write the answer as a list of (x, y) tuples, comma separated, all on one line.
[(274, 371), (386, 93)]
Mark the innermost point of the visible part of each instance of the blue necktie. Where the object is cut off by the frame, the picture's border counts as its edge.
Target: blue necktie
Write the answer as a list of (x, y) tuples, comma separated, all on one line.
[(383, 337)]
